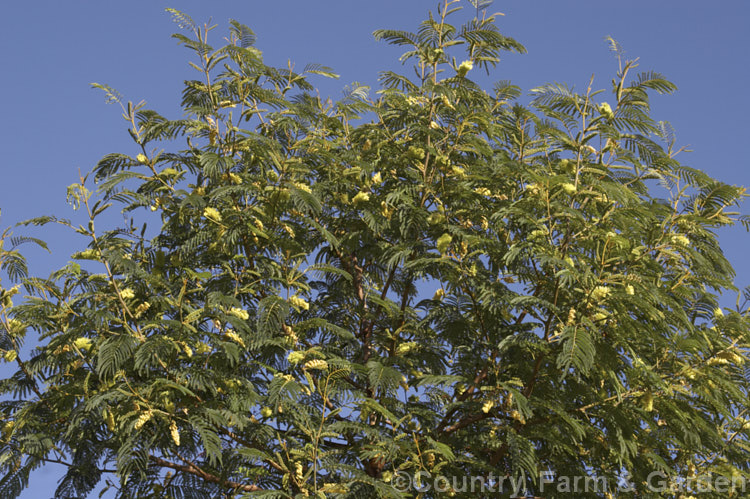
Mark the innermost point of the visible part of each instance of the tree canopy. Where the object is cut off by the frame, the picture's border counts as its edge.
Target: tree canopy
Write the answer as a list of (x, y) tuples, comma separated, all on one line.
[(318, 298)]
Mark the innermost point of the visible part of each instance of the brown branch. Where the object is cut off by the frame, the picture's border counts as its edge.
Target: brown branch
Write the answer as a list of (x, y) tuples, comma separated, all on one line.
[(474, 384), (388, 283), (468, 421), (355, 270), (534, 375), (208, 477), (497, 456), (538, 364), (402, 313), (481, 375), (356, 385)]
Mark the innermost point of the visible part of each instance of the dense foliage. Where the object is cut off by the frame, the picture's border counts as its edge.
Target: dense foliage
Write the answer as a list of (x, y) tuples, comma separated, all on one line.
[(432, 278)]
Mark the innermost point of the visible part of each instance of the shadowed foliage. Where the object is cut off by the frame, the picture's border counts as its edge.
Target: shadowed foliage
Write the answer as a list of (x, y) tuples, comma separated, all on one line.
[(313, 298)]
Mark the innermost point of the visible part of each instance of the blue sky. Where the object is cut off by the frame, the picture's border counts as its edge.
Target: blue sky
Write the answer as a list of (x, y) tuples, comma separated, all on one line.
[(54, 124)]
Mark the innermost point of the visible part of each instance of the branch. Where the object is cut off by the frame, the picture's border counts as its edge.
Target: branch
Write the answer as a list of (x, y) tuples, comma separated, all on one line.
[(474, 384), (538, 364), (468, 421), (194, 470)]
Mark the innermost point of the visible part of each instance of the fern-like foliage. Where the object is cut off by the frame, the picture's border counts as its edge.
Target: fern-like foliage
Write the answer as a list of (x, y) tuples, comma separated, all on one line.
[(312, 298)]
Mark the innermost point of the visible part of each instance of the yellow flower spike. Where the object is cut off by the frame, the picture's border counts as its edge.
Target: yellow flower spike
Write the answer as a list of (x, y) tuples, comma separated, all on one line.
[(83, 343), (239, 313), (295, 357), (175, 433), (465, 67), (680, 239), (235, 338), (212, 214), (361, 197), (517, 416), (188, 351), (110, 418), (406, 347), (443, 242), (142, 308), (386, 210), (299, 303), (143, 419), (648, 402), (600, 292), (569, 188), (302, 187), (571, 317), (316, 364)]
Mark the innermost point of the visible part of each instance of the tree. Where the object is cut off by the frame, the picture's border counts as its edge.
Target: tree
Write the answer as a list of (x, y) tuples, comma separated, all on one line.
[(276, 333)]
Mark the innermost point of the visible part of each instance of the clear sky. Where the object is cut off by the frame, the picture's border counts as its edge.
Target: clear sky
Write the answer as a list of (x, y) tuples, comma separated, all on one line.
[(54, 124)]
